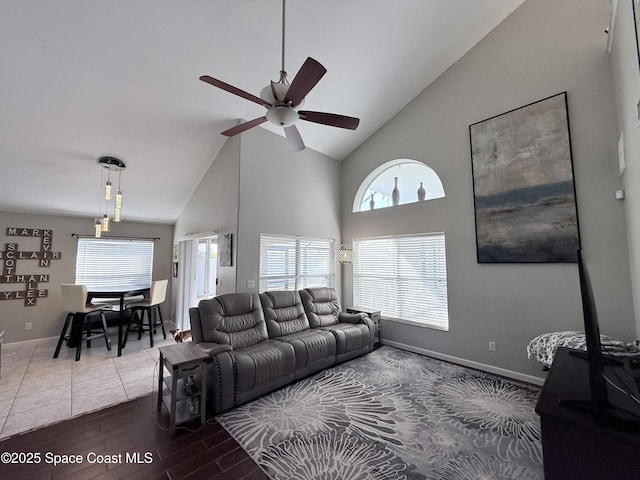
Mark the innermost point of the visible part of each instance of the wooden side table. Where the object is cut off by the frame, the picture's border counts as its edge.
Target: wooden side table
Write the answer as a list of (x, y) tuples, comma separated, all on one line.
[(374, 315), (186, 384)]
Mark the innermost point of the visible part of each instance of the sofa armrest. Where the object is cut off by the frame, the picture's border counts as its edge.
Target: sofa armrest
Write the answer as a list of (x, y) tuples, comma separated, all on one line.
[(221, 378), (358, 318), (213, 348), (196, 324), (352, 317)]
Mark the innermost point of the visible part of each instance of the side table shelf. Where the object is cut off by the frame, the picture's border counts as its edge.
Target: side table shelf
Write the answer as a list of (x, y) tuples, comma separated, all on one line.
[(183, 361)]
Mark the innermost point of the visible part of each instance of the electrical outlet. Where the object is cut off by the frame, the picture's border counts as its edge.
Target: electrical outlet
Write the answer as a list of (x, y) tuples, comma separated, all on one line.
[(492, 346), (251, 284), (28, 325)]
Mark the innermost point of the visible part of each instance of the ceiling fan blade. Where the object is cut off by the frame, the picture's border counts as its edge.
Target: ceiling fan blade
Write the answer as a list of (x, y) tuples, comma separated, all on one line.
[(236, 91), (242, 127), (333, 119), (294, 138), (307, 77)]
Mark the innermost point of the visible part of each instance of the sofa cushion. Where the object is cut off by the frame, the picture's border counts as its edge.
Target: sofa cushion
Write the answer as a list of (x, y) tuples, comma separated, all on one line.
[(283, 313), (321, 305), (263, 367), (234, 319), (350, 337), (314, 350)]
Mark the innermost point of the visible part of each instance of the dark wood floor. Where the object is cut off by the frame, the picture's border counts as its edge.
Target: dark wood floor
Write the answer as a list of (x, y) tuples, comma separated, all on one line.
[(130, 429)]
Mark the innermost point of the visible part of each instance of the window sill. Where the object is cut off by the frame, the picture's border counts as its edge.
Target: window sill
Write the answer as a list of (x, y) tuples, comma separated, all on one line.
[(415, 323)]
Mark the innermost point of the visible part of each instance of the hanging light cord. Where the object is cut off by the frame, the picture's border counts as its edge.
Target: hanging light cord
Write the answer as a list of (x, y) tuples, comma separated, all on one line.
[(283, 20)]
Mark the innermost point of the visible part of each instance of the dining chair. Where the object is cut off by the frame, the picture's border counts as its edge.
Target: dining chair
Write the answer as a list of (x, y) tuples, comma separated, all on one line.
[(74, 300), (150, 306)]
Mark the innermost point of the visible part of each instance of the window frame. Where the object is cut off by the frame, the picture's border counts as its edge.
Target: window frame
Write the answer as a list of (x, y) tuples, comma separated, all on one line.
[(430, 179), (299, 278), (395, 272), (87, 248)]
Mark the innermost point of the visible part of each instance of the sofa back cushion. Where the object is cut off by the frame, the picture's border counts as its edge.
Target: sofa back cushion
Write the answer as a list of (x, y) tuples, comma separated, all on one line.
[(234, 319), (321, 305), (284, 313)]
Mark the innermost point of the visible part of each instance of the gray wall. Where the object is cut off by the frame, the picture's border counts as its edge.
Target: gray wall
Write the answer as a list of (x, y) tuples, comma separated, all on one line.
[(214, 206), (283, 192), (259, 185), (545, 47), (626, 75), (47, 315)]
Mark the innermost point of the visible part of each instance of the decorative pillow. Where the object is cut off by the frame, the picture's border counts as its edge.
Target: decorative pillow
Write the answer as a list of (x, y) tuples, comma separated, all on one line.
[(543, 347)]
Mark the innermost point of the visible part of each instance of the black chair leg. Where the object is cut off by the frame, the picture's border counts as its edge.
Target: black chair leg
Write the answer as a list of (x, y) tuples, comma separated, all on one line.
[(63, 334), (87, 323), (140, 322), (82, 319), (164, 334), (134, 315), (107, 340), (152, 325)]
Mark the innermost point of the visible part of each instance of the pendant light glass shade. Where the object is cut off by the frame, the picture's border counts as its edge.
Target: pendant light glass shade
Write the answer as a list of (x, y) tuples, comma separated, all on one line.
[(102, 223)]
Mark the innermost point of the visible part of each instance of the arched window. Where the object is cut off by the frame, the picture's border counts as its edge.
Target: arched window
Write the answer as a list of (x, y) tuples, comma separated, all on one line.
[(378, 188)]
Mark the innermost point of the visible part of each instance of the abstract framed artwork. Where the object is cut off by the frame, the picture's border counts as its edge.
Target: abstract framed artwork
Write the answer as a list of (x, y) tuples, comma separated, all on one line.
[(523, 188), (224, 254)]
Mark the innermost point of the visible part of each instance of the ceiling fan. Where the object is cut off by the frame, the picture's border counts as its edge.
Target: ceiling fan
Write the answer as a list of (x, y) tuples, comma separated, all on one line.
[(283, 100)]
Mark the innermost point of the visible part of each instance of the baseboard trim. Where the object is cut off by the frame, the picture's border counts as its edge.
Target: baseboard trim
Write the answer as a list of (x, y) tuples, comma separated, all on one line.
[(33, 341), (468, 363)]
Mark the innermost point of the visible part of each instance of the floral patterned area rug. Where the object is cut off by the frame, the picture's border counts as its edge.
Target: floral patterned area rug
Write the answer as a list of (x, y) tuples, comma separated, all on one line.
[(394, 414)]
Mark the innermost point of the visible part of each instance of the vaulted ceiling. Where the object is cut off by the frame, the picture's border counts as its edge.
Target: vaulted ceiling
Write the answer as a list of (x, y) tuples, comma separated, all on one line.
[(83, 79)]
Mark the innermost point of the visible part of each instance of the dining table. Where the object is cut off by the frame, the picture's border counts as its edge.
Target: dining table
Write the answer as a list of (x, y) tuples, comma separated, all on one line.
[(119, 294)]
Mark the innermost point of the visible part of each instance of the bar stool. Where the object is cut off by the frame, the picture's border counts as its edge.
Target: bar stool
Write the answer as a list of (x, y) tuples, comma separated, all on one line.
[(150, 306), (74, 300)]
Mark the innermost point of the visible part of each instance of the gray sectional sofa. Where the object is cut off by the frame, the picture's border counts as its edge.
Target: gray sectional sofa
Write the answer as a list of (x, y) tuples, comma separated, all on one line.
[(258, 343)]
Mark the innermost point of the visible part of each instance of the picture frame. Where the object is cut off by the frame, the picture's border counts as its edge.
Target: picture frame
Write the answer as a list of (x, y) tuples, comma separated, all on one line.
[(225, 250), (523, 187), (622, 158)]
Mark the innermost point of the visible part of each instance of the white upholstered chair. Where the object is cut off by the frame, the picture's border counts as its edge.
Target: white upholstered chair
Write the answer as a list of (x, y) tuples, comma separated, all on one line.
[(74, 301), (150, 306)]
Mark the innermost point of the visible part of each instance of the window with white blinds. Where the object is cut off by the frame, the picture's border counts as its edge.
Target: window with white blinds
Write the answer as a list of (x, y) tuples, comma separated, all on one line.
[(403, 276), (118, 263), (293, 263)]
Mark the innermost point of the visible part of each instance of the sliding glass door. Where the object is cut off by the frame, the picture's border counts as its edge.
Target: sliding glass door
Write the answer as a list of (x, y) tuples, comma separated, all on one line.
[(206, 268)]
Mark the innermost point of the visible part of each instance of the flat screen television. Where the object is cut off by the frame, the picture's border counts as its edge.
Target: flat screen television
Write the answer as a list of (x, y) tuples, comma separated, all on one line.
[(600, 403)]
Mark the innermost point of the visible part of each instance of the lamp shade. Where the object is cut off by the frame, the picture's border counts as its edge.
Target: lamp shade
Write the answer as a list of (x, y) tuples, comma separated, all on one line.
[(345, 255)]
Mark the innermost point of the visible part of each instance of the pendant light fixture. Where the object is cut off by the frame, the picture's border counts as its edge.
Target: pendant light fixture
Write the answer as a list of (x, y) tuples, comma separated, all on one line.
[(345, 254), (108, 165)]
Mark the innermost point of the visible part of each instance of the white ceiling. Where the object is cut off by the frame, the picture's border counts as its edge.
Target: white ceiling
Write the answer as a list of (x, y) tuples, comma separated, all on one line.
[(83, 79)]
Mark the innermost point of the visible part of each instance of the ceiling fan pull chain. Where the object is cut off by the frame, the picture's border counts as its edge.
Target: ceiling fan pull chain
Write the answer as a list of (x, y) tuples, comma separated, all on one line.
[(282, 71)]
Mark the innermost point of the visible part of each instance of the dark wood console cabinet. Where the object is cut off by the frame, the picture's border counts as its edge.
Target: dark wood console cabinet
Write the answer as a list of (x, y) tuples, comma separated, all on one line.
[(575, 445)]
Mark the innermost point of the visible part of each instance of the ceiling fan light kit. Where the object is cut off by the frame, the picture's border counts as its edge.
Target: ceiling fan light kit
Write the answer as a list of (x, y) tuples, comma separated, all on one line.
[(282, 100), (282, 116)]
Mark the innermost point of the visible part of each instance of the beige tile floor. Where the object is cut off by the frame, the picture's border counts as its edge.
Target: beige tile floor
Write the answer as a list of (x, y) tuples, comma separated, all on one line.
[(38, 390)]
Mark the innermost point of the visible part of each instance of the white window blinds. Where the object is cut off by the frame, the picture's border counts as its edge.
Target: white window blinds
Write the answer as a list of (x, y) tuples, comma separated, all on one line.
[(403, 276), (118, 263), (293, 263)]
